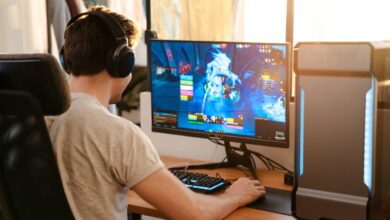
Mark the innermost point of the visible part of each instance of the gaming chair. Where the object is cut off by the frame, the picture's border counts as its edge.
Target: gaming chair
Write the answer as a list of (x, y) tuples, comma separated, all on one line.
[(31, 86)]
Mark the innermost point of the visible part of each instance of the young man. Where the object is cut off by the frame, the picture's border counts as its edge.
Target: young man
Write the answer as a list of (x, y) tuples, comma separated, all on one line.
[(101, 156)]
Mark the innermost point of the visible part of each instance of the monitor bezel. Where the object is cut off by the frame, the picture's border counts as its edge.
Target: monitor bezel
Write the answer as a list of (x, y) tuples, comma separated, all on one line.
[(228, 137)]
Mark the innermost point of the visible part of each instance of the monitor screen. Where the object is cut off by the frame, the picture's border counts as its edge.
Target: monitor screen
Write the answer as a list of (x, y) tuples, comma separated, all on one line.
[(230, 90)]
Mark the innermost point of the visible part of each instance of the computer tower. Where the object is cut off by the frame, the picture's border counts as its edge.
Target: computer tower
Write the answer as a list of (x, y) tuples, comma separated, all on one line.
[(380, 203), (342, 151)]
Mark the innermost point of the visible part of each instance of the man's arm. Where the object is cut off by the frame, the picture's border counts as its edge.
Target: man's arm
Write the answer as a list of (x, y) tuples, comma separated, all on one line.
[(165, 192)]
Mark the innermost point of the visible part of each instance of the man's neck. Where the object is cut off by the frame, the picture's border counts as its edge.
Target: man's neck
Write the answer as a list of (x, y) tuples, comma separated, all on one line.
[(98, 85)]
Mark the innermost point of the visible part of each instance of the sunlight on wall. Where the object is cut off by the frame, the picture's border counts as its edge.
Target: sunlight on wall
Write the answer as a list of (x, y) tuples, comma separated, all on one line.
[(265, 20), (346, 20)]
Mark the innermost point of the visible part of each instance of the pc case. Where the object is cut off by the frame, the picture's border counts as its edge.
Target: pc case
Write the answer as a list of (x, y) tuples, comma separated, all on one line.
[(380, 204), (342, 151)]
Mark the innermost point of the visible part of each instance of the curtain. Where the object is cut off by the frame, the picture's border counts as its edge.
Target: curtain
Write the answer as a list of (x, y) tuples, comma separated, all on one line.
[(194, 20), (23, 26)]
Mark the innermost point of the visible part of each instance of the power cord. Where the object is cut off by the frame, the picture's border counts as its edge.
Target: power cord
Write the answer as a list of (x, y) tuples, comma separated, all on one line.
[(271, 165), (268, 162), (214, 153)]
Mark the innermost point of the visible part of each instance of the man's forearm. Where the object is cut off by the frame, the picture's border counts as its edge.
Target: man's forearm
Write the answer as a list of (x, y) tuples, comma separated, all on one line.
[(241, 192), (218, 207)]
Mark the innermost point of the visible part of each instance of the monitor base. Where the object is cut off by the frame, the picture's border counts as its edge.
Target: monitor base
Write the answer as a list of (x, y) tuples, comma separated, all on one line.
[(233, 159)]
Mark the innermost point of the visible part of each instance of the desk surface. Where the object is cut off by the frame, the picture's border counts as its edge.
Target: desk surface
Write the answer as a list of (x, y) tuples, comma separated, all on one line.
[(272, 179)]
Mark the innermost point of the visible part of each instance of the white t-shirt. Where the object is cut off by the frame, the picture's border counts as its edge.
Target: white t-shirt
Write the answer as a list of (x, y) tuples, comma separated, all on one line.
[(100, 156)]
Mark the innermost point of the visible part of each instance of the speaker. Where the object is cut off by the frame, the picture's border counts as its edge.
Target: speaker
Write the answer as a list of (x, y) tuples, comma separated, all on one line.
[(120, 59)]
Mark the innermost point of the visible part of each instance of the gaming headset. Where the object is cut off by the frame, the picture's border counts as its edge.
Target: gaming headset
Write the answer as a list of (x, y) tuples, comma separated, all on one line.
[(120, 60)]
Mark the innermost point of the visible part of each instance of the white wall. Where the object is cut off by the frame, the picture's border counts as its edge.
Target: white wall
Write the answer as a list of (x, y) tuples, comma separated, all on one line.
[(203, 149)]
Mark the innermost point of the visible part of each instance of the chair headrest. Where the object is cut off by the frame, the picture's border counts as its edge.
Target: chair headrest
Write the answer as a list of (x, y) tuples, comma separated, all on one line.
[(39, 75)]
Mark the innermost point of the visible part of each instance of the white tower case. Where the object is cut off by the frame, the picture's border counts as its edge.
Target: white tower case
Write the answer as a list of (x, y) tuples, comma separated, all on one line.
[(339, 157)]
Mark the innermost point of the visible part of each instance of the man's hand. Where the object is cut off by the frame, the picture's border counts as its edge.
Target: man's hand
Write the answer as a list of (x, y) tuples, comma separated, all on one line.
[(165, 192), (246, 190)]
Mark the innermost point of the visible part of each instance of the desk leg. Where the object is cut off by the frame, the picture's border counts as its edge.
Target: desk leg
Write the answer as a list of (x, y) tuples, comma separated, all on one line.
[(134, 216)]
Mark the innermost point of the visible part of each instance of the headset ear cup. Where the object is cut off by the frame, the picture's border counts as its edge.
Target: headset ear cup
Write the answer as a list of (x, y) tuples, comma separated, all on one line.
[(111, 62), (62, 59), (123, 62)]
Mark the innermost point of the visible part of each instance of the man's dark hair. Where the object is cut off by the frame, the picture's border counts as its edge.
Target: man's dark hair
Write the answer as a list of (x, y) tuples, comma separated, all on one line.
[(88, 42)]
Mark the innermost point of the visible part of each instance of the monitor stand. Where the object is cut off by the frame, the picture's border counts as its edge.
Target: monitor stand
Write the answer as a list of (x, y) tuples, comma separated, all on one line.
[(233, 159)]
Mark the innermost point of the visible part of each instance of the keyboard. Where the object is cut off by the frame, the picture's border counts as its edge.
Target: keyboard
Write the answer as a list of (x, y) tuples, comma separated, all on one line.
[(200, 182)]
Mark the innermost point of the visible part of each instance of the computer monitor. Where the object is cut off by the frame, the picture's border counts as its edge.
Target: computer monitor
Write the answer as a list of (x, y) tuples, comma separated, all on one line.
[(234, 91)]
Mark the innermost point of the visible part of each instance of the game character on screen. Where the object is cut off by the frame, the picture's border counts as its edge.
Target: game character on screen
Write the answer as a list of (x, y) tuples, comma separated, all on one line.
[(221, 82)]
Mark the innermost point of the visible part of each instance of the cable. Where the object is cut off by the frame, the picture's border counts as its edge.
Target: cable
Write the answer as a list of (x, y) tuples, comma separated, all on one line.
[(269, 163), (179, 165), (252, 161), (264, 162), (215, 140), (214, 153), (242, 170), (273, 164)]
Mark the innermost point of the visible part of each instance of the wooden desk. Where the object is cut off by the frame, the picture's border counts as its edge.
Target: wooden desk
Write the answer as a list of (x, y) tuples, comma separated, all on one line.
[(272, 179)]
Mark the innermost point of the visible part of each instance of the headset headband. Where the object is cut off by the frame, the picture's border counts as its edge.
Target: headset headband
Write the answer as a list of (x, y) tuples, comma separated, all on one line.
[(110, 23)]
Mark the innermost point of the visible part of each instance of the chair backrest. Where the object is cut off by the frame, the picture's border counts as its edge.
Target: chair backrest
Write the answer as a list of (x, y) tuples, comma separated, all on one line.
[(30, 184)]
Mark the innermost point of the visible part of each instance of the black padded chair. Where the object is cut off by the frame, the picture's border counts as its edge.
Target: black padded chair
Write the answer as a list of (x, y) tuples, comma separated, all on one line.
[(31, 86)]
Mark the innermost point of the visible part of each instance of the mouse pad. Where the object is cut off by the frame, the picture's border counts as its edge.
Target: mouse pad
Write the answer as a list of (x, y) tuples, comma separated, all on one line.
[(275, 200)]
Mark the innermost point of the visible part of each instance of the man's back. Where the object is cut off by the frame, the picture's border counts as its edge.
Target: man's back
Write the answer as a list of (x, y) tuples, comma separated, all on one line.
[(100, 156)]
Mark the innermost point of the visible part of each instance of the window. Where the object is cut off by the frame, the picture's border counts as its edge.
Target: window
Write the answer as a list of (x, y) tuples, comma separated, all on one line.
[(261, 20), (345, 20)]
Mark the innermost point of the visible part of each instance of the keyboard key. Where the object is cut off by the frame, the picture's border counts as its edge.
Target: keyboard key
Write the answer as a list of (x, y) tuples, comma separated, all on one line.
[(200, 182)]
